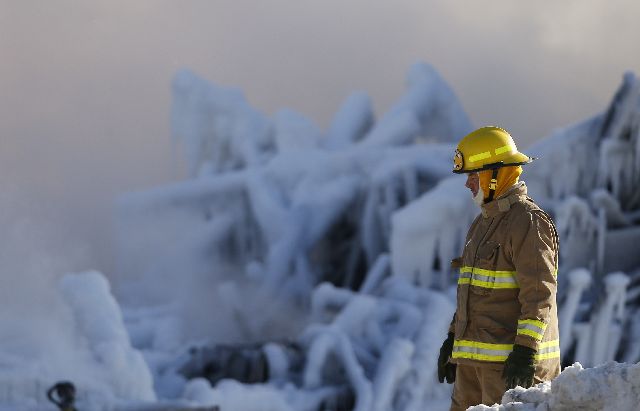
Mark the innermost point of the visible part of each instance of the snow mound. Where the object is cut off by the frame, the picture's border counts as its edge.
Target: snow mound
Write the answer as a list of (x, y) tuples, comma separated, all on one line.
[(609, 387), (99, 320), (80, 338)]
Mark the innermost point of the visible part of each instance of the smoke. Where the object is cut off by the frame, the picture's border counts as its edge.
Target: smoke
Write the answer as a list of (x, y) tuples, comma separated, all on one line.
[(85, 95), (36, 326)]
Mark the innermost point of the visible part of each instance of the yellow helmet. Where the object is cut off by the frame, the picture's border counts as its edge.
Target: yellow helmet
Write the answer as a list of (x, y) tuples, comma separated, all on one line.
[(487, 148)]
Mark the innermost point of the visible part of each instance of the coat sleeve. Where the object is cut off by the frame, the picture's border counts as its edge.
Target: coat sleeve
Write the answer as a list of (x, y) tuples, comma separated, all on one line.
[(456, 263), (534, 247)]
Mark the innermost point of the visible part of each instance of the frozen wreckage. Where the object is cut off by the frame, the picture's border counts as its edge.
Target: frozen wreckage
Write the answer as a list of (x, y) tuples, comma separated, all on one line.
[(361, 222)]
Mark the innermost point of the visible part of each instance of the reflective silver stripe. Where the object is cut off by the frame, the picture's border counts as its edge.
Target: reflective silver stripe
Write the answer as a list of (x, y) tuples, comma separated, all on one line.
[(484, 351), (548, 350), (494, 279), (499, 352), (531, 327), (480, 351), (480, 277)]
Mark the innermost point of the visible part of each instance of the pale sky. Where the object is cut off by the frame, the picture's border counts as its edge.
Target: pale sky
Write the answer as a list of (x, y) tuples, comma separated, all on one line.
[(85, 97)]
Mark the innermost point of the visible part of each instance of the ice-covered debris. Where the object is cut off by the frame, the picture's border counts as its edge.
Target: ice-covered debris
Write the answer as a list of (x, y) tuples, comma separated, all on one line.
[(427, 232), (232, 395), (578, 228), (602, 199), (199, 391), (600, 152), (578, 281), (394, 365), (74, 333), (99, 320), (218, 127), (397, 130), (606, 321), (293, 131), (350, 124), (609, 387), (434, 105)]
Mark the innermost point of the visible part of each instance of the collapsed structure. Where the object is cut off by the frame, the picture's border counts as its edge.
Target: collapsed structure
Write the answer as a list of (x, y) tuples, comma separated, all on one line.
[(354, 228), (298, 269)]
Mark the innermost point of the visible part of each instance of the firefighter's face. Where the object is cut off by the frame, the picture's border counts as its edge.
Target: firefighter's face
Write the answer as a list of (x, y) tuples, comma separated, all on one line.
[(473, 183)]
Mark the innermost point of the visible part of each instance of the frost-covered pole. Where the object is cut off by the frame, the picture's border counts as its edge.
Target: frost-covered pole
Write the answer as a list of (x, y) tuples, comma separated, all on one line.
[(612, 310), (579, 280), (583, 346), (601, 242), (394, 365), (376, 274)]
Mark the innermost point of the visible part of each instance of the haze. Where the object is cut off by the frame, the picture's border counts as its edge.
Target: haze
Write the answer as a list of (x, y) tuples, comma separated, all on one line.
[(84, 86)]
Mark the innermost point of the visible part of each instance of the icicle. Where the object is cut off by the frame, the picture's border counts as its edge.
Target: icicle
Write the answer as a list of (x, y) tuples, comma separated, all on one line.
[(410, 180), (370, 226)]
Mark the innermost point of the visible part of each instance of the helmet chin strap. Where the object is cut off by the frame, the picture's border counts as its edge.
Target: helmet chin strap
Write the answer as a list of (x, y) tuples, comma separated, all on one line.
[(493, 185)]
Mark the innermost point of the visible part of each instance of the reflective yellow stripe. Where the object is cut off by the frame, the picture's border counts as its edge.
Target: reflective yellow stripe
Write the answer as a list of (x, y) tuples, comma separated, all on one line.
[(550, 343), (486, 284), (548, 350), (530, 333), (504, 149), (539, 357), (475, 350), (480, 156), (469, 269), (478, 344)]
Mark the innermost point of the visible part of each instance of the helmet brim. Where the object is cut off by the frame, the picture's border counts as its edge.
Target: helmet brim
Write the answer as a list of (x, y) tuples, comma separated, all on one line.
[(517, 159)]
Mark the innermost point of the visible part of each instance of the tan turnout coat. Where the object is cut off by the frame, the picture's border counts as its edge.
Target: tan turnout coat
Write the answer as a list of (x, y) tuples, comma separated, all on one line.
[(507, 286)]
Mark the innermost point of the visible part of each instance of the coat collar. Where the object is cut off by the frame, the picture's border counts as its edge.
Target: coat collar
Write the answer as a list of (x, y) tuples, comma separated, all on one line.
[(503, 203)]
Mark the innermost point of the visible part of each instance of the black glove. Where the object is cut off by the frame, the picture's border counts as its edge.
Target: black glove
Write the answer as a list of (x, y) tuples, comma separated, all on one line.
[(519, 367), (446, 370)]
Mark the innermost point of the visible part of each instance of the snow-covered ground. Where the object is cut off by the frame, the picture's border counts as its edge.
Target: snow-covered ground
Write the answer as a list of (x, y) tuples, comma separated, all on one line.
[(608, 387), (304, 269)]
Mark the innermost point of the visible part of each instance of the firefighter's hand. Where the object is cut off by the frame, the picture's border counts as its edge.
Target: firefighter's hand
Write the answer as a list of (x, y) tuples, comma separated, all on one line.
[(519, 367), (446, 369)]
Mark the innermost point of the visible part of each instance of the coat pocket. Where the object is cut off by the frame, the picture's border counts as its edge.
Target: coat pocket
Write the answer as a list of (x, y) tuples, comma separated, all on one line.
[(488, 254), (483, 277), (497, 329)]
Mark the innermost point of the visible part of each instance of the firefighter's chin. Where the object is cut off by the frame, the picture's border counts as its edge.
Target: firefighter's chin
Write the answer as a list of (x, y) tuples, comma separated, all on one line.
[(479, 197)]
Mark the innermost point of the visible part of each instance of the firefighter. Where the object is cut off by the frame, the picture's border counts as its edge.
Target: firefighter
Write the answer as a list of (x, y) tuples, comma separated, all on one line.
[(504, 332)]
